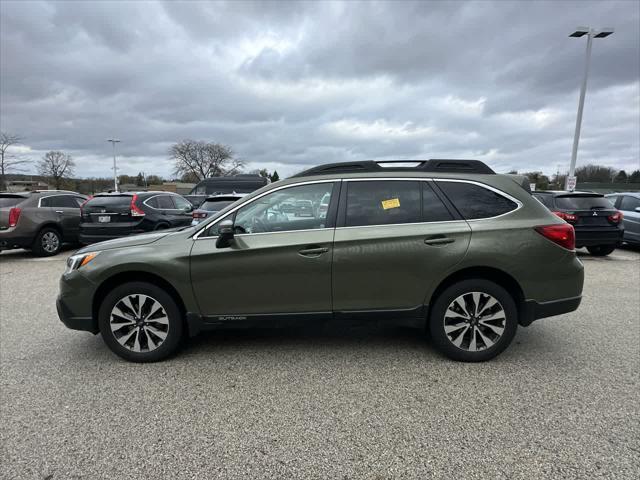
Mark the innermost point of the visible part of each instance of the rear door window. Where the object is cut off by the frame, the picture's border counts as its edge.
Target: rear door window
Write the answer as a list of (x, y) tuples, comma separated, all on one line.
[(474, 202), (181, 203), (165, 202), (433, 210), (382, 202), (215, 206), (629, 203), (582, 202)]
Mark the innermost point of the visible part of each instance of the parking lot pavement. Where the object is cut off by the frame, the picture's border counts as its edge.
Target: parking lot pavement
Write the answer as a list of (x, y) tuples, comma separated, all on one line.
[(340, 402)]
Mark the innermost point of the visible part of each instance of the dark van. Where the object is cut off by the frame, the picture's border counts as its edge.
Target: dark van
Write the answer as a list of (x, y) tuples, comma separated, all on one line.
[(241, 183)]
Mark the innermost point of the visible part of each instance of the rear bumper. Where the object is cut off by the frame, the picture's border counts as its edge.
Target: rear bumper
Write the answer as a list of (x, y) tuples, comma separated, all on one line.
[(533, 310), (94, 237), (9, 240), (588, 237)]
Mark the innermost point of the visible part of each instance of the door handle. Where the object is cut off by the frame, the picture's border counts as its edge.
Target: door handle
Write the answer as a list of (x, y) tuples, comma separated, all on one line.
[(313, 251), (59, 211), (440, 240)]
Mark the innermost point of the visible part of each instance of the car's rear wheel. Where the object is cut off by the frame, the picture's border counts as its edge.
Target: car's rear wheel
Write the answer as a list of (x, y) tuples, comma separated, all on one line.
[(48, 242), (601, 250), (473, 320), (140, 322)]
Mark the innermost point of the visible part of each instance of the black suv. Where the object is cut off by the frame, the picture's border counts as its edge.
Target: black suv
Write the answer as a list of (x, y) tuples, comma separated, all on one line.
[(597, 223), (112, 215)]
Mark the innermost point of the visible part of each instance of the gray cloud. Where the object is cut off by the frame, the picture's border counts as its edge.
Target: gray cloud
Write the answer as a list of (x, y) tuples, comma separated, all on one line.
[(291, 84)]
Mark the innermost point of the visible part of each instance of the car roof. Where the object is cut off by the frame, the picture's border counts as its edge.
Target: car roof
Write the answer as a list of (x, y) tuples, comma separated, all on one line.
[(226, 196), (631, 194), (567, 193), (130, 194)]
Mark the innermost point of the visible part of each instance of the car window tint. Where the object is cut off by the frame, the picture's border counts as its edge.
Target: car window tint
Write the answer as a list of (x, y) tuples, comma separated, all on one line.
[(293, 208), (474, 201), (79, 200), (546, 200), (181, 203), (165, 202), (215, 206), (433, 210), (582, 202), (109, 201), (45, 202), (629, 203), (152, 202), (382, 202), (10, 200)]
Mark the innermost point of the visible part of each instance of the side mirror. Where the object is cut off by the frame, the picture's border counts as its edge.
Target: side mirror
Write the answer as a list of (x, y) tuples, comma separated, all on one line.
[(225, 234), (637, 209), (188, 209)]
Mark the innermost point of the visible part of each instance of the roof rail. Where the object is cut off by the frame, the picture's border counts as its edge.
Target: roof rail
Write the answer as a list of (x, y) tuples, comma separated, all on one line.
[(369, 166)]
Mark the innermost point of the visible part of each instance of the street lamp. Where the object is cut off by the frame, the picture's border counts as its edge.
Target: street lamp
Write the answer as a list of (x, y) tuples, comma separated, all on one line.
[(591, 33), (115, 171)]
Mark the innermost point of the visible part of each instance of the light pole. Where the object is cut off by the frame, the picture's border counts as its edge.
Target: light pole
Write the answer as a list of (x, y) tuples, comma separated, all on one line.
[(115, 171), (591, 33)]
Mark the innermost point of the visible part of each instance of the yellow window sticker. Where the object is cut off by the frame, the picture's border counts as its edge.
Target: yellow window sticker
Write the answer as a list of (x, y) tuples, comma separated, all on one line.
[(391, 203)]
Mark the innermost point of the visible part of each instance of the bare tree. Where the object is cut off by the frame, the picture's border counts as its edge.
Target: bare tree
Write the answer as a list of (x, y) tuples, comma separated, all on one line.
[(57, 166), (8, 161), (203, 159)]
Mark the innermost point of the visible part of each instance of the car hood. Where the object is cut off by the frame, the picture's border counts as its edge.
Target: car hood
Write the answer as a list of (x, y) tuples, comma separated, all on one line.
[(131, 241)]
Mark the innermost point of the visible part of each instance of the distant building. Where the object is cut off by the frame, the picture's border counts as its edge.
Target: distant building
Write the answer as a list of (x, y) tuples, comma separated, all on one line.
[(26, 185), (180, 188)]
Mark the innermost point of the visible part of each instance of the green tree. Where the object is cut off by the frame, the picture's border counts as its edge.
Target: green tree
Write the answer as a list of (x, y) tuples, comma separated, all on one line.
[(539, 178), (635, 176), (595, 173), (274, 176), (621, 177)]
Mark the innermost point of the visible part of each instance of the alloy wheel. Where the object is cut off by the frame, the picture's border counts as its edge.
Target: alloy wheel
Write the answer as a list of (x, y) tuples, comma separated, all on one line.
[(474, 321), (50, 242), (139, 323)]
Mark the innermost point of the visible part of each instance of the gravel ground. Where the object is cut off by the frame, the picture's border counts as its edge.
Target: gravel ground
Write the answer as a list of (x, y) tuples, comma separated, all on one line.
[(339, 402)]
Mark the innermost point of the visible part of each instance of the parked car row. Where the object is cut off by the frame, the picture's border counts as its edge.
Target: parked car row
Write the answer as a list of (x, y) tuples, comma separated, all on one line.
[(42, 221)]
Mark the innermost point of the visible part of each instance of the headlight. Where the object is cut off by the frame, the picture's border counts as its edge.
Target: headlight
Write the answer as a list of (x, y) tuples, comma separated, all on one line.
[(74, 262)]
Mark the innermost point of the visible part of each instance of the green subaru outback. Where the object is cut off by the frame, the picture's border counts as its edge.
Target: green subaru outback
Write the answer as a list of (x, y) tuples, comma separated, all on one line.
[(445, 245)]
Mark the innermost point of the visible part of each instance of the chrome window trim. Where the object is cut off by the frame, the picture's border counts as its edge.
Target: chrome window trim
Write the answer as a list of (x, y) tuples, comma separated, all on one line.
[(56, 195), (518, 203), (197, 235), (160, 209)]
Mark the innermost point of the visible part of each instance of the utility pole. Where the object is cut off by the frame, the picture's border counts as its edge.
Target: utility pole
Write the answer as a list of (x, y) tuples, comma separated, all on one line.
[(591, 33), (115, 169)]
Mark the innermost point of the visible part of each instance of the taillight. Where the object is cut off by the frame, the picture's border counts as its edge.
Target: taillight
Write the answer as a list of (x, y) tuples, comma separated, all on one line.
[(135, 210), (14, 216), (567, 217), (199, 215), (561, 234), (84, 203), (615, 218)]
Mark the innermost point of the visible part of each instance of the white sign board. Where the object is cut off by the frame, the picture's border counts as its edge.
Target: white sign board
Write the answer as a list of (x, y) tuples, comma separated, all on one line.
[(532, 187), (571, 183)]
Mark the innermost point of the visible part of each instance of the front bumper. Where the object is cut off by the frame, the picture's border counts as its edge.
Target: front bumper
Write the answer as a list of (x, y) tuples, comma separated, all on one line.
[(87, 324), (74, 303)]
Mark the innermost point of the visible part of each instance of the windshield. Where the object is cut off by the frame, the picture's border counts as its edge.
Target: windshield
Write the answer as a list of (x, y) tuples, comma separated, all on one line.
[(583, 202)]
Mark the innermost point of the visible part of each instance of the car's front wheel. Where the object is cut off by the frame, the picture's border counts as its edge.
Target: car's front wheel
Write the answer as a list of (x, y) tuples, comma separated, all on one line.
[(473, 320), (140, 322), (601, 250)]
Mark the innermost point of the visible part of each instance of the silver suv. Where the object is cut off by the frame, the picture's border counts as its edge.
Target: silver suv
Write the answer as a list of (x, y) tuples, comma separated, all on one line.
[(39, 221)]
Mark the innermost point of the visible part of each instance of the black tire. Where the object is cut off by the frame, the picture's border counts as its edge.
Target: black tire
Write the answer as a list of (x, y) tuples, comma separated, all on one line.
[(174, 331), (47, 243), (601, 250), (445, 345)]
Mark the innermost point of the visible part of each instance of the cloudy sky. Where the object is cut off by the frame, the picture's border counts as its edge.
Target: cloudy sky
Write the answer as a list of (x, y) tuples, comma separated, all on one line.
[(292, 84)]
